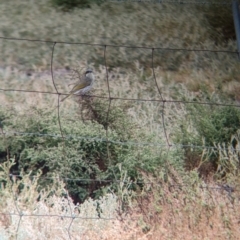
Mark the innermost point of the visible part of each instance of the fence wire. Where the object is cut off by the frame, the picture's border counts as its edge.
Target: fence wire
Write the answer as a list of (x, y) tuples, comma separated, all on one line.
[(163, 101)]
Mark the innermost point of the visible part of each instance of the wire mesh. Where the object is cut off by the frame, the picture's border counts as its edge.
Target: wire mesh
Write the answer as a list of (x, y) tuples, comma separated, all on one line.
[(160, 101)]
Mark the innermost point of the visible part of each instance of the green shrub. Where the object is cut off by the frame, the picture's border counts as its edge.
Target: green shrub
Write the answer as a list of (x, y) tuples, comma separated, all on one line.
[(216, 124), (205, 127), (87, 152), (35, 141)]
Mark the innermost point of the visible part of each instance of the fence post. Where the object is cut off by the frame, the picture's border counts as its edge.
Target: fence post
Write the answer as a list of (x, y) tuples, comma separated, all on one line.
[(236, 18)]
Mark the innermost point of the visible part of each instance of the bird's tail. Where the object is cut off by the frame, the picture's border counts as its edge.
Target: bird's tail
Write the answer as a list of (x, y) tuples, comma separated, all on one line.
[(66, 97)]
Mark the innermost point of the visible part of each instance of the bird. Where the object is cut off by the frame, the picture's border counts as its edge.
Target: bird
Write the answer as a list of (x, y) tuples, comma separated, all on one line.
[(84, 85)]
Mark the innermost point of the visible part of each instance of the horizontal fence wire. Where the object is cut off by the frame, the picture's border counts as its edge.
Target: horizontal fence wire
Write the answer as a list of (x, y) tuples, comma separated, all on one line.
[(21, 214), (225, 187), (129, 99), (96, 139), (72, 216), (120, 46)]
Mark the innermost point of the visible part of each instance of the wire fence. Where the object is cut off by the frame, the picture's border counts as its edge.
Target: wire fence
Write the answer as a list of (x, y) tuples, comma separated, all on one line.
[(229, 190)]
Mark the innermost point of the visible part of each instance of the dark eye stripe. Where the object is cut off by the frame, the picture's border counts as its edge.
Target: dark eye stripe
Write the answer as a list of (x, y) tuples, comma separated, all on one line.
[(89, 71)]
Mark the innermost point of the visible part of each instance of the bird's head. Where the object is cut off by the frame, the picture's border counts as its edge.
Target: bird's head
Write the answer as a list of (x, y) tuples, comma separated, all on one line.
[(89, 76), (89, 70)]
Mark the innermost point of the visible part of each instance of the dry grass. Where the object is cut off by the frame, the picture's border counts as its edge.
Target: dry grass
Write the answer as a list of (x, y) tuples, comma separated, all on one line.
[(152, 25), (188, 213), (159, 212)]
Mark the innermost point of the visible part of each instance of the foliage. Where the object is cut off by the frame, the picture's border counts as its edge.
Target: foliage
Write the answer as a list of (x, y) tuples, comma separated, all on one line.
[(216, 124), (221, 23), (88, 151), (70, 4), (203, 129)]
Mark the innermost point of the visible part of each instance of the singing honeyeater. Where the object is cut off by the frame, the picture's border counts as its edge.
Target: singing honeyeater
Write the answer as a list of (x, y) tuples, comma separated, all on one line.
[(83, 86)]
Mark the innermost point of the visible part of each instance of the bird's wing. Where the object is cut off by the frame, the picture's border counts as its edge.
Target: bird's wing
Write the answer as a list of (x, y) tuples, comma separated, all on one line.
[(78, 86)]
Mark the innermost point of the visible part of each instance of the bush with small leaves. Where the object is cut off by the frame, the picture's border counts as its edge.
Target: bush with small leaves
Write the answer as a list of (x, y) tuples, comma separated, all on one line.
[(86, 153)]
